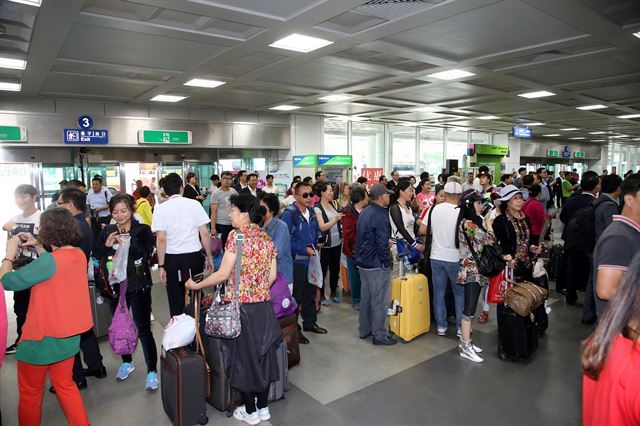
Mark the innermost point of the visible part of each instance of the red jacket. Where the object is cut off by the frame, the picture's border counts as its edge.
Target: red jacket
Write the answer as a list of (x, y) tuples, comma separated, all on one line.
[(535, 212), (349, 224)]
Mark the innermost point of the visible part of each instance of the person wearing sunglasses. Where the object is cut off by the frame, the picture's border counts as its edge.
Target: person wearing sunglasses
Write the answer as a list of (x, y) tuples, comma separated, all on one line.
[(304, 230)]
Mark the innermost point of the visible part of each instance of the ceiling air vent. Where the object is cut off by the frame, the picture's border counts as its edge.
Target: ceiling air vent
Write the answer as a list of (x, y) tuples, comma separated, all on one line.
[(394, 9), (549, 55)]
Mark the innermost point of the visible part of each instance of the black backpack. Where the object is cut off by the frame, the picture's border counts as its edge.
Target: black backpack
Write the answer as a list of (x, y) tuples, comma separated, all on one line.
[(581, 230)]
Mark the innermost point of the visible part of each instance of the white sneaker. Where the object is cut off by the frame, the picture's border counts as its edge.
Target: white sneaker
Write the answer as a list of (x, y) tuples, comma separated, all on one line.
[(475, 348), (459, 333), (152, 317), (263, 413), (466, 351), (442, 331), (240, 413)]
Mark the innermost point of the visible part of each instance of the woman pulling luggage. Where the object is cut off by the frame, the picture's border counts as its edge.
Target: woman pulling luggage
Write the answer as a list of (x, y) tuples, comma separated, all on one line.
[(250, 359), (138, 280)]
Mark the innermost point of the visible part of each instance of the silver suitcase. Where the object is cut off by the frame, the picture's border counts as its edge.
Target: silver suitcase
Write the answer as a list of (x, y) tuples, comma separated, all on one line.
[(101, 311), (277, 389)]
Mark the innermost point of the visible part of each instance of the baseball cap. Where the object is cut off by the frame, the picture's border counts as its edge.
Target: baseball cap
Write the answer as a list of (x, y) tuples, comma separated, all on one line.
[(453, 188), (378, 190), (483, 173), (470, 196)]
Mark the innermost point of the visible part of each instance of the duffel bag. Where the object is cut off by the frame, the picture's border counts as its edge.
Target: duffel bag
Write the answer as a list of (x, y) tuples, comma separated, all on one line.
[(525, 297)]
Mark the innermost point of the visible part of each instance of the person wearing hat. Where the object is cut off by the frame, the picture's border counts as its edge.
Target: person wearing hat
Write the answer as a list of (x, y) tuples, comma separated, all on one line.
[(373, 259), (473, 233), (445, 260)]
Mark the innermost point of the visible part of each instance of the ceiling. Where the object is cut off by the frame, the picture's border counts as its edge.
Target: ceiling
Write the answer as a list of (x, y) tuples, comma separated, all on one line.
[(382, 54)]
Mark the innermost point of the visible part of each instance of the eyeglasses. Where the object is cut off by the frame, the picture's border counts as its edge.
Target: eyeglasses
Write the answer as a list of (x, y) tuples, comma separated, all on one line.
[(61, 203), (305, 195)]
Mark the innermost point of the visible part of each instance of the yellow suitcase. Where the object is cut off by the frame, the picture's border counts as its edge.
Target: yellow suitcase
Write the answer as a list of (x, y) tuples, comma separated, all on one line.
[(411, 296)]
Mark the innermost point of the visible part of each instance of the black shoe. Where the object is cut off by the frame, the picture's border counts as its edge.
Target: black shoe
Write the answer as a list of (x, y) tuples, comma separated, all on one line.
[(82, 384), (98, 374), (366, 336), (302, 339), (316, 329), (387, 341), (11, 349)]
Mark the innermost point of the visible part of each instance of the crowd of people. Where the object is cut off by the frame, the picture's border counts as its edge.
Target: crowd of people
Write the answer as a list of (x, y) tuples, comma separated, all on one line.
[(359, 225)]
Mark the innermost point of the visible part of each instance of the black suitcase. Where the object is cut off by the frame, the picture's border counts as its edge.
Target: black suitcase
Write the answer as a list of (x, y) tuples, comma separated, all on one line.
[(184, 386), (220, 395), (555, 260), (277, 389), (101, 312), (517, 336)]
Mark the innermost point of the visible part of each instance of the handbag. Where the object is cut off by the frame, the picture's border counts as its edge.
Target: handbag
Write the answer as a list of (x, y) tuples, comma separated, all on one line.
[(123, 334), (490, 262), (223, 318), (408, 251), (525, 297), (498, 285), (282, 302), (216, 244), (314, 273)]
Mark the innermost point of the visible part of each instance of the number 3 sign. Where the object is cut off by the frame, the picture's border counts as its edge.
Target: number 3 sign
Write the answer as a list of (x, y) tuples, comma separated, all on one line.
[(85, 122)]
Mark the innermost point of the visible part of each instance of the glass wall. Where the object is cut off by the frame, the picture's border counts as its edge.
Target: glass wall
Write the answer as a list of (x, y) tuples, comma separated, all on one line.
[(457, 142), (336, 141), (431, 155), (403, 149), (367, 145)]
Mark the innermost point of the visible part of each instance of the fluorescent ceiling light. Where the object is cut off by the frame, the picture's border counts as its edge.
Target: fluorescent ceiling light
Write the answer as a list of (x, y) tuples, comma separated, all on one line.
[(285, 107), (35, 3), (569, 129), (577, 139), (348, 118), (335, 98), (637, 34), (488, 117), (16, 64), (618, 136), (597, 140), (590, 107), (552, 135), (460, 111), (424, 109), (168, 98), (629, 116), (451, 74), (539, 94), (11, 87), (597, 133), (201, 82), (534, 123), (301, 43)]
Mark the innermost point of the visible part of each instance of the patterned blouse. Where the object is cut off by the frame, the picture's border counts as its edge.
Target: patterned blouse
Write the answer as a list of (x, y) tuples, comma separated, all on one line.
[(479, 238), (257, 252)]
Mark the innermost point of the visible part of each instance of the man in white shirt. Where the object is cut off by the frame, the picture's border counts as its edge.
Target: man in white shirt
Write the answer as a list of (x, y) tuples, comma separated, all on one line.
[(181, 231), (98, 200), (221, 207), (469, 183), (270, 187), (445, 260), (25, 197)]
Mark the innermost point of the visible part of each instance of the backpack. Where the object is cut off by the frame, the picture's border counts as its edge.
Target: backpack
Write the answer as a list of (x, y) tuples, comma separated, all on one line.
[(581, 229)]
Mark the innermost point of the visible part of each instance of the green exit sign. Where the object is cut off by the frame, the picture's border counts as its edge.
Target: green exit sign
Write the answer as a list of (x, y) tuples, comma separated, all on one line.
[(553, 153), (578, 154), (169, 137), (13, 134)]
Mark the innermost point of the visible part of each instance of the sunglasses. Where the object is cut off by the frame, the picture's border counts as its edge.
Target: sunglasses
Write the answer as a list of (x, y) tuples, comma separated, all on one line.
[(305, 195)]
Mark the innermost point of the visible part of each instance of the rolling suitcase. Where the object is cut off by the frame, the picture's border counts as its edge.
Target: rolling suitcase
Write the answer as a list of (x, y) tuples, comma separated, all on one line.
[(277, 389), (410, 302), (555, 259), (289, 326), (219, 389), (517, 336), (184, 386), (344, 277), (101, 312)]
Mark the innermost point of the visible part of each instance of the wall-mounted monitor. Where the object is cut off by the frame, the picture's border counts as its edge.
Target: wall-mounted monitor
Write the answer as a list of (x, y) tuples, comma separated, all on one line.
[(522, 132)]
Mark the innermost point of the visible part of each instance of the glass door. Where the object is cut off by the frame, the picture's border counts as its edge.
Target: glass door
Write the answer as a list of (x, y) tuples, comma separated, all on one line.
[(110, 173), (147, 173), (52, 174), (203, 172)]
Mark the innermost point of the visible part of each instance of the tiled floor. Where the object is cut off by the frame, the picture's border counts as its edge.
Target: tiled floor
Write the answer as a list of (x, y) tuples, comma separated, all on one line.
[(343, 380)]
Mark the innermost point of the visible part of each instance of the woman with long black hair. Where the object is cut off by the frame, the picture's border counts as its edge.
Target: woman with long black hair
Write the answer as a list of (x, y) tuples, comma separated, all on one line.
[(330, 223), (403, 221)]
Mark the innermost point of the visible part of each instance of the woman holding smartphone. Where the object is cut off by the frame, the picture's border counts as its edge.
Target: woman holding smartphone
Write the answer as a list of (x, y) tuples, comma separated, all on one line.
[(329, 221)]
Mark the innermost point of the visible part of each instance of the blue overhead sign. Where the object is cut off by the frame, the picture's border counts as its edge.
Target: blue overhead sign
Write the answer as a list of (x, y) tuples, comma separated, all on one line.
[(86, 137), (85, 122), (522, 132), (566, 152)]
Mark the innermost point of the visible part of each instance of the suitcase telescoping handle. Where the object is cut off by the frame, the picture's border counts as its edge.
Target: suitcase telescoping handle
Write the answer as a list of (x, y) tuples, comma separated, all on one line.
[(196, 296)]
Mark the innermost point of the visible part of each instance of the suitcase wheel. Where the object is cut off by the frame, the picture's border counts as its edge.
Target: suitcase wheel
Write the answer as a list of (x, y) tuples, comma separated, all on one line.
[(502, 355), (203, 420)]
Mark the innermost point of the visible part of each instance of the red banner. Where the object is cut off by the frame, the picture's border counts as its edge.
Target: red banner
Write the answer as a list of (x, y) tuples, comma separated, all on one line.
[(372, 175)]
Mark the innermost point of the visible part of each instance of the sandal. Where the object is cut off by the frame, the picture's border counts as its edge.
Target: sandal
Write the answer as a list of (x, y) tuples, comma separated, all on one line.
[(484, 317)]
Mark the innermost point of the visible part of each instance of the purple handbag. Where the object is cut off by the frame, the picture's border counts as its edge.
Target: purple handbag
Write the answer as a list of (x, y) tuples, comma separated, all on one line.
[(123, 334), (282, 301), (216, 244)]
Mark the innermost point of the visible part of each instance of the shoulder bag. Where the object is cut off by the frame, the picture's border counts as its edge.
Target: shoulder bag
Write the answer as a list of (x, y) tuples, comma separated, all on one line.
[(223, 318), (490, 263)]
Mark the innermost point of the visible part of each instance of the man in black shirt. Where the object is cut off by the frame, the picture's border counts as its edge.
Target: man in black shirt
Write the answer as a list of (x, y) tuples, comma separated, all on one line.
[(74, 200)]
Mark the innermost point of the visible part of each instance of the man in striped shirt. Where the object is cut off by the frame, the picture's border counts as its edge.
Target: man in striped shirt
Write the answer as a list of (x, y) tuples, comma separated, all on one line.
[(617, 245)]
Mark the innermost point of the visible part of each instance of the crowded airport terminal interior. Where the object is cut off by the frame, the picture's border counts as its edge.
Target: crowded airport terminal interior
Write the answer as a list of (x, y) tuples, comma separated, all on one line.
[(320, 212)]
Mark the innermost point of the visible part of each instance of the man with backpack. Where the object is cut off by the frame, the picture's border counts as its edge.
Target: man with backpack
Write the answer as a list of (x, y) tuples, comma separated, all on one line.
[(579, 235)]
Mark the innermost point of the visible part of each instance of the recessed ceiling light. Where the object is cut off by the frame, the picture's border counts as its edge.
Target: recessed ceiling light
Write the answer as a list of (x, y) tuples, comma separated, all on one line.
[(539, 94), (590, 107), (451, 74), (201, 82), (168, 98), (618, 136), (533, 123), (629, 116), (335, 98), (285, 107), (577, 139), (569, 129), (597, 133), (35, 3), (598, 140), (11, 87), (637, 34), (301, 43), (348, 118), (460, 111), (488, 117), (552, 135), (16, 64), (424, 109)]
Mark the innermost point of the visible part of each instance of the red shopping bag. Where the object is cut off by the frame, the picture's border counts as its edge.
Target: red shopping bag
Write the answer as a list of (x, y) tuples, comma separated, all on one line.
[(498, 285)]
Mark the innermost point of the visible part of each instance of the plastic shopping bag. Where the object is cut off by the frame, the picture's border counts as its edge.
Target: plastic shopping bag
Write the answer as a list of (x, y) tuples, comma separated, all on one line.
[(180, 332), (118, 272), (314, 275)]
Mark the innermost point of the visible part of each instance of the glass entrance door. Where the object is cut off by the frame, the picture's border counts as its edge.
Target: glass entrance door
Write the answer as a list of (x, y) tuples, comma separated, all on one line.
[(147, 173), (110, 173), (52, 174), (203, 172)]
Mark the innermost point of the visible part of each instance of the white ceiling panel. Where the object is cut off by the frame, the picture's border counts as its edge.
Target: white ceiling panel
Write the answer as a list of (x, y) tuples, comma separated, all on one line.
[(345, 108), (249, 63), (239, 98), (437, 93), (92, 86), (282, 9)]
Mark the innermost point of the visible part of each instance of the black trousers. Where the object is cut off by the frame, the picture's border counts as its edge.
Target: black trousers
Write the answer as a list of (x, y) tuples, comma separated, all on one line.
[(305, 294), (330, 261), (140, 305), (90, 353), (179, 268), (20, 307), (577, 269), (224, 231), (249, 399), (589, 306)]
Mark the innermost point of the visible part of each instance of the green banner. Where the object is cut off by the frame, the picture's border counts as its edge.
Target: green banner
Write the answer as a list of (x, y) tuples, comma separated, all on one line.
[(335, 160), (178, 137), (500, 150), (13, 134), (553, 153), (305, 161), (578, 154)]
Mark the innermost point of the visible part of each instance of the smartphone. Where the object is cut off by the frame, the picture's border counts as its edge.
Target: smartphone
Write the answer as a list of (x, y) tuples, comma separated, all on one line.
[(198, 277), (322, 240), (486, 210)]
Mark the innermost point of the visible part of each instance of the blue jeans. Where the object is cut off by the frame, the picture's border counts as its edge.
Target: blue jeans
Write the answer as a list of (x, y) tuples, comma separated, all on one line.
[(354, 280), (443, 272)]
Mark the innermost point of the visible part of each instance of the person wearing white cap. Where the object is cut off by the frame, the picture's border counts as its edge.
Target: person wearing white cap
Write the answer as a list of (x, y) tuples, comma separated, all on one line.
[(445, 257)]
